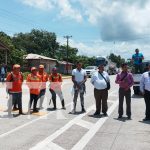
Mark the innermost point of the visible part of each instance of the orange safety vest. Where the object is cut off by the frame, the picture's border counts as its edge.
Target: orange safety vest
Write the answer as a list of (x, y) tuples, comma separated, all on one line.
[(44, 78), (14, 82), (55, 80), (34, 83)]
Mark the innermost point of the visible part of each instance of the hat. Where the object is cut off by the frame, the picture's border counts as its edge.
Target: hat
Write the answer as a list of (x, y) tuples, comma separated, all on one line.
[(33, 68), (16, 66), (41, 66)]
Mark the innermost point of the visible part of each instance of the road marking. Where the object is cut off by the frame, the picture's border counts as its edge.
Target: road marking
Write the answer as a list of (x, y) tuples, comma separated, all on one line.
[(53, 136), (90, 134), (85, 124), (24, 125), (77, 120), (52, 146)]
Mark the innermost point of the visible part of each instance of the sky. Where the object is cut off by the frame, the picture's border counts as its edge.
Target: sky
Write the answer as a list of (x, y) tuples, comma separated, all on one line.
[(97, 27)]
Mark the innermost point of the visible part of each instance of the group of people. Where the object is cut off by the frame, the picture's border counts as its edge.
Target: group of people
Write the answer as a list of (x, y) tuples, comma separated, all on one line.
[(36, 81)]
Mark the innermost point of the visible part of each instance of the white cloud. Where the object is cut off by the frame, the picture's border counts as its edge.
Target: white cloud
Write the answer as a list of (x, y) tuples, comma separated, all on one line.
[(41, 4), (65, 8), (101, 48), (118, 20)]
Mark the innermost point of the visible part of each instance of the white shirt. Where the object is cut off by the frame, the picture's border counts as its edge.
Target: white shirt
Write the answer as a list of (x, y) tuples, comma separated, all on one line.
[(145, 82), (79, 75), (98, 81)]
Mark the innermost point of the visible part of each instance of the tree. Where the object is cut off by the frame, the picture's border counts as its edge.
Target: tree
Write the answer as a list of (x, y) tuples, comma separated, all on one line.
[(117, 59), (38, 42)]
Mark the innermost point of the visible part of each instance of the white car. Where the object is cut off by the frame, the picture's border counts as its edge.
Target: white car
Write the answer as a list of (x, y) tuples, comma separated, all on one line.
[(90, 70)]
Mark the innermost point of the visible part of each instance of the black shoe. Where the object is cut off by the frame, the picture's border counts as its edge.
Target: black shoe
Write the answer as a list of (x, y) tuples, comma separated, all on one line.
[(146, 119), (105, 114), (129, 117), (35, 111), (21, 113), (63, 104), (83, 110), (120, 116), (63, 108), (15, 108), (96, 113)]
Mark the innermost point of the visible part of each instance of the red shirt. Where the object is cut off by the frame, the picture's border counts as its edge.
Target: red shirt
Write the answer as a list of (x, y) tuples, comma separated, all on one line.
[(14, 82)]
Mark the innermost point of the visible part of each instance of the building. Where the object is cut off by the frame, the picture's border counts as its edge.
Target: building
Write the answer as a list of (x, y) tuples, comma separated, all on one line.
[(62, 67), (35, 60)]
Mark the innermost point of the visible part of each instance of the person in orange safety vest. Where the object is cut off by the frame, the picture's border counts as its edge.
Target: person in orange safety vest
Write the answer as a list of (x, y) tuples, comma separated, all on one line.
[(34, 84), (55, 87), (44, 78)]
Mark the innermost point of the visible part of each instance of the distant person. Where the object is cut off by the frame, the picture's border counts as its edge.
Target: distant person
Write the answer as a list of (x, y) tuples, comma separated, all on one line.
[(125, 81), (55, 87), (3, 72), (145, 90), (14, 86), (34, 83), (79, 78), (44, 78), (137, 59), (100, 80)]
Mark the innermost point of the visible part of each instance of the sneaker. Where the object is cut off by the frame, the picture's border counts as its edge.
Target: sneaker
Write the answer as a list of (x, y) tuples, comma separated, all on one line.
[(120, 116)]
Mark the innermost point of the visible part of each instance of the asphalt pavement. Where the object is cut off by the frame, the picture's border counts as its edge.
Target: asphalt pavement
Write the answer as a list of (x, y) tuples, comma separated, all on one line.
[(60, 130)]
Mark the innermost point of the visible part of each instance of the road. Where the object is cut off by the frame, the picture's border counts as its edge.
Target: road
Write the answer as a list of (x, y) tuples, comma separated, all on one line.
[(59, 130)]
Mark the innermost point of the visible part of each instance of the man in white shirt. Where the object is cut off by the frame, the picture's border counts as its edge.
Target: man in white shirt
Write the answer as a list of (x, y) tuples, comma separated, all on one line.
[(100, 90), (79, 78), (145, 90)]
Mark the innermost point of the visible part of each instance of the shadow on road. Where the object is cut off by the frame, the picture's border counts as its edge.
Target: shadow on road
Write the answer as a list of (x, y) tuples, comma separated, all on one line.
[(123, 119), (136, 96), (146, 122)]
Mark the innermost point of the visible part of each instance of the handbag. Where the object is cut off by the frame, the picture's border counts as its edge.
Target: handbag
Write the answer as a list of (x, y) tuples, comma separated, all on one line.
[(107, 82)]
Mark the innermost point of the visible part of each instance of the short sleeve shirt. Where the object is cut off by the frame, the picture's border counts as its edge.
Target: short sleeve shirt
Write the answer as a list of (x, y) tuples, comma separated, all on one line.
[(79, 75), (137, 58)]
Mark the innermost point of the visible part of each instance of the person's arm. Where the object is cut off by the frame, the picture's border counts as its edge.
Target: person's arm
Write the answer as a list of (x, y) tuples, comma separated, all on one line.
[(117, 81), (92, 79), (142, 57), (142, 84)]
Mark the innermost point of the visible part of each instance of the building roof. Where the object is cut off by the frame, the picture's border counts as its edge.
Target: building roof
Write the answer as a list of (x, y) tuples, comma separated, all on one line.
[(64, 62), (36, 56)]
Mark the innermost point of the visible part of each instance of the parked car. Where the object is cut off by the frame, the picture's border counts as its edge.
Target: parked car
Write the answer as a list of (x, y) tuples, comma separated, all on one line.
[(137, 78), (90, 70)]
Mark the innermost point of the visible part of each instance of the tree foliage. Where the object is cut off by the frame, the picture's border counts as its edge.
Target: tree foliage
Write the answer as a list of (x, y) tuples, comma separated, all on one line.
[(117, 59)]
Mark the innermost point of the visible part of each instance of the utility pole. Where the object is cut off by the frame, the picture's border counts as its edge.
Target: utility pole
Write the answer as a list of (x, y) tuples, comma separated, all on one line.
[(67, 37)]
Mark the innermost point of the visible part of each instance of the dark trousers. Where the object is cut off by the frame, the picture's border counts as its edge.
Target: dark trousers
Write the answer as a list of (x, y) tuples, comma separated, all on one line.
[(76, 93), (15, 98), (2, 77), (127, 95), (147, 103), (34, 98), (101, 97), (53, 97), (138, 68)]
